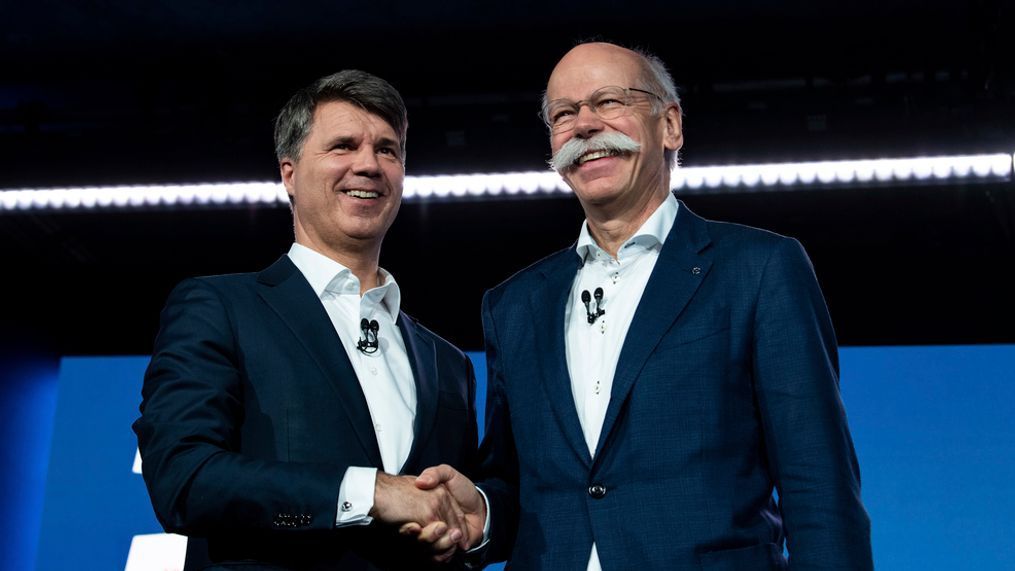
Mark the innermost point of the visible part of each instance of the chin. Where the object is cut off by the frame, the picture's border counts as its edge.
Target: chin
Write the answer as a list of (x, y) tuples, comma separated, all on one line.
[(597, 194), (366, 235)]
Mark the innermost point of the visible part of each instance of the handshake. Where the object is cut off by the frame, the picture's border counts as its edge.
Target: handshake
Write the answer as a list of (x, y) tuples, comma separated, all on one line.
[(440, 507)]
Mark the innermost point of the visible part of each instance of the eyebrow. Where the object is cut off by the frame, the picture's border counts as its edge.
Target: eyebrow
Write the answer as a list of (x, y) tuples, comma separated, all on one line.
[(387, 142), (346, 139)]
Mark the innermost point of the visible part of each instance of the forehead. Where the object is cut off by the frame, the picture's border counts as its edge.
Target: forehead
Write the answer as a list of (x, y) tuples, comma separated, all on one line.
[(589, 67), (333, 118)]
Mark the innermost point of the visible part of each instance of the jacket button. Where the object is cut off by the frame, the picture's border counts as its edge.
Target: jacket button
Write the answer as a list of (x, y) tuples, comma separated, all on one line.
[(597, 491)]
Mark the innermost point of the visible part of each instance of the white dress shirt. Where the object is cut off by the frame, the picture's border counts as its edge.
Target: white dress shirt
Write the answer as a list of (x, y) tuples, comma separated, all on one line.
[(593, 349), (385, 376)]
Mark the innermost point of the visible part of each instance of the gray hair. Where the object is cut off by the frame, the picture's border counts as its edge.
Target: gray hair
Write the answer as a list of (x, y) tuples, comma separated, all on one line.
[(359, 88), (657, 79)]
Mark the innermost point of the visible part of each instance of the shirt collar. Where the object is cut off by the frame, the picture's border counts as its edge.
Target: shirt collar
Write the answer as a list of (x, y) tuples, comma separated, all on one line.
[(652, 233), (328, 276)]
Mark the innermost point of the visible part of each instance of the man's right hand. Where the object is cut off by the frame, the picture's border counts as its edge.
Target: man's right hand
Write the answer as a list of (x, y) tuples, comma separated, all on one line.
[(465, 495), (399, 500)]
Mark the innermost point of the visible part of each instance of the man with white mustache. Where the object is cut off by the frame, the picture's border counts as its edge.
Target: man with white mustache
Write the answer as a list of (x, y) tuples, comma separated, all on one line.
[(580, 150), (688, 370)]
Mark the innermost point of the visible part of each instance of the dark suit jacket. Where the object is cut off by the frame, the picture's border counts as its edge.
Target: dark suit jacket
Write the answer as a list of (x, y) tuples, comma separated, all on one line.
[(252, 413), (727, 385)]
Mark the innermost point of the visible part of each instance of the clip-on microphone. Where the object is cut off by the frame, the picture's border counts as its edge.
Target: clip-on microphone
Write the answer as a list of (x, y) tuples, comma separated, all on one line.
[(368, 343), (586, 298)]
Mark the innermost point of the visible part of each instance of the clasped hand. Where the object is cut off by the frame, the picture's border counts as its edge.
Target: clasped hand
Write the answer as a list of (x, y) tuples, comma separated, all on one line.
[(440, 507)]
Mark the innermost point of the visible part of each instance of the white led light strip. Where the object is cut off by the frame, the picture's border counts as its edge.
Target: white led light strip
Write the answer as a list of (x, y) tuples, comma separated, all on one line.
[(149, 196), (735, 178), (844, 173)]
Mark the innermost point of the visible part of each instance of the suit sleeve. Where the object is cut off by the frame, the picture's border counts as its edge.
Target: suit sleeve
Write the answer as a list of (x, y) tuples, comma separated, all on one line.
[(809, 447), (192, 411), (469, 452), (498, 470)]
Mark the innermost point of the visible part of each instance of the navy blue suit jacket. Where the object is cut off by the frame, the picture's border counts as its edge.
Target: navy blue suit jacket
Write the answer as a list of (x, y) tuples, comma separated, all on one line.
[(726, 386), (252, 412)]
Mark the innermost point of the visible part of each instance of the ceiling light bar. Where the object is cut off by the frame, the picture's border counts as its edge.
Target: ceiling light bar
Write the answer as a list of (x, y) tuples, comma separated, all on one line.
[(474, 185), (691, 180), (842, 173), (143, 196)]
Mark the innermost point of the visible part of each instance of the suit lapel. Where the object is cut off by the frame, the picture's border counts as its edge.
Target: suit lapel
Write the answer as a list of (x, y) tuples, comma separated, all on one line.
[(423, 361), (682, 265), (287, 292), (547, 307)]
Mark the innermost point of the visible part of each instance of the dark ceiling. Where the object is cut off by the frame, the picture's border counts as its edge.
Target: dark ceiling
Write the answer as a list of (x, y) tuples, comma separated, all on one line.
[(114, 92)]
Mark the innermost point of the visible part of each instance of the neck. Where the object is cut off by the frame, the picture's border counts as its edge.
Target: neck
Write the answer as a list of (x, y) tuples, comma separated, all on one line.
[(363, 261), (368, 273), (611, 227)]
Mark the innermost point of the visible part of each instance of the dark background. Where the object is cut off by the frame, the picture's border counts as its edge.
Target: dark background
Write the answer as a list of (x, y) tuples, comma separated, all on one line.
[(98, 93)]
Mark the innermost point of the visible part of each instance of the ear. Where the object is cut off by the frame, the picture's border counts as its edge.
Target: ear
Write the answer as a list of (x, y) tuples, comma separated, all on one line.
[(673, 132), (288, 172)]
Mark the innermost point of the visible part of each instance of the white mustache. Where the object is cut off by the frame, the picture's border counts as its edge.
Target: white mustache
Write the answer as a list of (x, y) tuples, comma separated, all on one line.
[(566, 156)]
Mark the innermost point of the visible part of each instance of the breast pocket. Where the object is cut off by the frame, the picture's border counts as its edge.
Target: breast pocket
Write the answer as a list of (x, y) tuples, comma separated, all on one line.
[(700, 328), (690, 364)]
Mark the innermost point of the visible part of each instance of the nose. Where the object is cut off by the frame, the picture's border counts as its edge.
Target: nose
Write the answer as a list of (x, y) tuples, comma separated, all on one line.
[(587, 122), (365, 163)]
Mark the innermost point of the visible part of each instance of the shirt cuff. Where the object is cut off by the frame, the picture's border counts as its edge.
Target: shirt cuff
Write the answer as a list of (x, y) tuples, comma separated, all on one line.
[(356, 497), (486, 524)]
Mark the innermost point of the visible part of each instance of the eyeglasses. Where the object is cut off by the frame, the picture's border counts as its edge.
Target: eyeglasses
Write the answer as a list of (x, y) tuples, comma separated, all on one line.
[(608, 102)]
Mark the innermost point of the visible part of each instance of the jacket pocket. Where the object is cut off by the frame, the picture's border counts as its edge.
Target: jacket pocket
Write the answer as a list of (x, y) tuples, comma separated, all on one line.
[(764, 557)]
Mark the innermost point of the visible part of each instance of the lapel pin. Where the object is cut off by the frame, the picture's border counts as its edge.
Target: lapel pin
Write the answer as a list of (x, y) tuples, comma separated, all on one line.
[(695, 270)]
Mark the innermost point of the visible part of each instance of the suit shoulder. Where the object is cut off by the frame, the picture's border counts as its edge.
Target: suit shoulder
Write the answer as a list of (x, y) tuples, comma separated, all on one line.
[(279, 271), (227, 289), (228, 280), (526, 278), (220, 282), (755, 251), (733, 237), (721, 230), (441, 343)]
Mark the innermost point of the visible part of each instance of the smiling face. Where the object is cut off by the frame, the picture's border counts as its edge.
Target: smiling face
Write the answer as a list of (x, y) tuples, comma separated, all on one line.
[(347, 183), (629, 181)]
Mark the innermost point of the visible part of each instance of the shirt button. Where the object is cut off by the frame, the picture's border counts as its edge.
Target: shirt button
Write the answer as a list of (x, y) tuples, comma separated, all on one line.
[(373, 370), (377, 427), (597, 491)]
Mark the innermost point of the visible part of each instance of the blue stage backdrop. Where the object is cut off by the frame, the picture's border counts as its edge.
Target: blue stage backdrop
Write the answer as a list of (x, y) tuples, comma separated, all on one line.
[(28, 387), (932, 427)]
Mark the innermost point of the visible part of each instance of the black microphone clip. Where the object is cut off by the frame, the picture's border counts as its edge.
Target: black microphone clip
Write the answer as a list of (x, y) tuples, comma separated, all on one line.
[(368, 343), (586, 298)]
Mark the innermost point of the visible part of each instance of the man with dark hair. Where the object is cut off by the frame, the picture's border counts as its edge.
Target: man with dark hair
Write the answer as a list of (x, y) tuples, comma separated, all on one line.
[(687, 370), (279, 407)]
